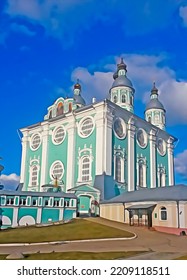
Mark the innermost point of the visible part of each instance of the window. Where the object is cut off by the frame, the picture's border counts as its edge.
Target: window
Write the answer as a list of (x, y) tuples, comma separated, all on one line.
[(118, 169), (57, 170), (123, 99), (56, 203), (34, 176), (46, 202), (115, 99), (161, 177), (149, 119), (163, 213), (58, 135), (50, 114), (70, 107), (10, 201), (35, 141), (85, 169), (86, 127), (22, 201), (141, 177), (131, 100), (34, 202), (66, 204), (119, 128), (60, 109)]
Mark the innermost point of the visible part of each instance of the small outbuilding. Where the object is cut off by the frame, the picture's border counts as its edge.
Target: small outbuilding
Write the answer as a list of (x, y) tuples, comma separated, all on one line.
[(164, 209)]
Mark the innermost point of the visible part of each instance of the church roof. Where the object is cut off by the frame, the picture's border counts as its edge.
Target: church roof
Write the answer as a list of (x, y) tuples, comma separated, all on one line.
[(154, 104), (122, 81), (169, 193), (79, 100)]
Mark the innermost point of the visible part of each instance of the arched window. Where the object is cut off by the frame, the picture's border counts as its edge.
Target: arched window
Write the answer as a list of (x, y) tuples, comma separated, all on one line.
[(118, 169), (85, 169), (131, 100), (149, 119), (141, 175), (34, 175), (123, 98), (70, 107), (161, 177), (60, 109), (115, 99), (50, 114), (163, 213)]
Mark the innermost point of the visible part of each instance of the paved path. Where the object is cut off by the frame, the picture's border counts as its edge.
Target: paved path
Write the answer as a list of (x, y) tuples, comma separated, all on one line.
[(163, 245)]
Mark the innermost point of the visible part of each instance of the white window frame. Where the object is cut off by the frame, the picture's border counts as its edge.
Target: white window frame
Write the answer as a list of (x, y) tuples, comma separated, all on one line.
[(31, 175), (161, 176), (61, 202), (27, 199), (165, 210), (142, 162), (31, 140), (81, 134), (3, 197), (51, 202), (122, 165), (80, 179), (40, 201), (52, 168), (55, 131)]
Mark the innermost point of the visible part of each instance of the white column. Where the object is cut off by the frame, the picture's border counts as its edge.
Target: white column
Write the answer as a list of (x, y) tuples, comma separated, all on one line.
[(24, 157), (71, 130), (108, 143), (15, 217), (45, 142), (153, 171), (170, 161), (100, 142), (131, 164), (39, 215)]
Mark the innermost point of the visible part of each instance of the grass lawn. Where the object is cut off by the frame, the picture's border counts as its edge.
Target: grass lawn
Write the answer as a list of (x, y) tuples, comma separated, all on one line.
[(78, 256), (182, 258), (75, 230)]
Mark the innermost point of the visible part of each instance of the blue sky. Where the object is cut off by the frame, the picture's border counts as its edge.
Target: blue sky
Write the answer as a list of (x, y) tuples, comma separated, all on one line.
[(45, 45)]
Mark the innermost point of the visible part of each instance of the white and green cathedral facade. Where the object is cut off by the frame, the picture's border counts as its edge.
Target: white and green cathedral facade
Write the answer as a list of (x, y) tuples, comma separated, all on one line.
[(100, 150)]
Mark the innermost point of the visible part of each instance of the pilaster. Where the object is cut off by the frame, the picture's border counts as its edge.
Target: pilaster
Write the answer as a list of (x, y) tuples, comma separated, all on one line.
[(24, 157), (131, 165), (170, 148), (71, 130), (45, 143), (152, 139)]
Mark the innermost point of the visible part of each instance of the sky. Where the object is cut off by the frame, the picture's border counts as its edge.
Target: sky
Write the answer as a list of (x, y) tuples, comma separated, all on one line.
[(45, 45)]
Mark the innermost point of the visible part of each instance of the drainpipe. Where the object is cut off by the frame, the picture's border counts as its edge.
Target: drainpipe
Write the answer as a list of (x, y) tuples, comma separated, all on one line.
[(178, 215)]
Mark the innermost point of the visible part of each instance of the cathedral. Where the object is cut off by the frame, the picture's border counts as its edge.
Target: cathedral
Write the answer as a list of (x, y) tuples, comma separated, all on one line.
[(99, 150), (99, 159)]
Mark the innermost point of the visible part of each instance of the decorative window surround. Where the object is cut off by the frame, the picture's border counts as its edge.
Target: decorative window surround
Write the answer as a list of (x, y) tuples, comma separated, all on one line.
[(119, 162), (86, 127), (163, 214), (141, 167), (35, 141), (161, 174), (85, 160), (58, 135), (56, 170)]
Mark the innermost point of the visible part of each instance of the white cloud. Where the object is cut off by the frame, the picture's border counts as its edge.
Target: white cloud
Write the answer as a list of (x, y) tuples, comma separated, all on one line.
[(142, 71), (93, 85), (181, 164), (65, 18), (183, 14), (10, 181)]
